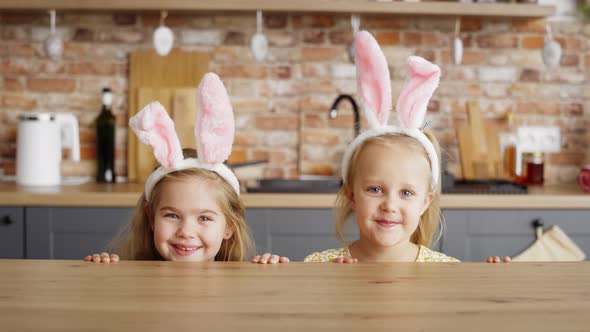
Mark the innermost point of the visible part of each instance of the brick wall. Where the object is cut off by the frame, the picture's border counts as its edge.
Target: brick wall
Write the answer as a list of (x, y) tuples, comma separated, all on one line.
[(282, 105)]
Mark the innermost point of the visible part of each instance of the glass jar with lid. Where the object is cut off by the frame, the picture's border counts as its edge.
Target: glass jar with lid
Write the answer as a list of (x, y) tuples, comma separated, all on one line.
[(535, 168)]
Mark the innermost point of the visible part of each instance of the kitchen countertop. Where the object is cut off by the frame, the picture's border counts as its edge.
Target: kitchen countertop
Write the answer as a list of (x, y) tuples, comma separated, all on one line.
[(52, 295), (127, 194)]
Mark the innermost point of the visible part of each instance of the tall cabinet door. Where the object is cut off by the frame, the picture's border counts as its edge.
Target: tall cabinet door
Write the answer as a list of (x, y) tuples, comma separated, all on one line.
[(11, 232), (72, 232)]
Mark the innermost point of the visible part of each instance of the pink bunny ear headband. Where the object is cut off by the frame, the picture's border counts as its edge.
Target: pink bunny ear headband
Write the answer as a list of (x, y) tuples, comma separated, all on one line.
[(375, 97), (214, 134)]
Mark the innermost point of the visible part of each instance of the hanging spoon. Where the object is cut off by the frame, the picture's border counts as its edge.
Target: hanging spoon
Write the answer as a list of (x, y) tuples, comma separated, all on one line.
[(457, 43), (551, 50), (54, 46), (259, 43), (355, 22), (163, 38)]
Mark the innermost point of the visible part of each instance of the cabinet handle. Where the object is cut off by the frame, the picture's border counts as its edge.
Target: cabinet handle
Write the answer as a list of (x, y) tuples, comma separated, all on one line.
[(6, 220), (537, 223)]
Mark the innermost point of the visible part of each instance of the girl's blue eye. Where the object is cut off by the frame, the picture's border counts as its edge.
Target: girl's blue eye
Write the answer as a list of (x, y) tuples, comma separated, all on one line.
[(407, 193), (205, 218), (374, 190), (172, 215)]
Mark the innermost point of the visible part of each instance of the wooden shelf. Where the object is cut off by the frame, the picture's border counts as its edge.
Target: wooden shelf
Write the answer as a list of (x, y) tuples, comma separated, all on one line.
[(317, 6)]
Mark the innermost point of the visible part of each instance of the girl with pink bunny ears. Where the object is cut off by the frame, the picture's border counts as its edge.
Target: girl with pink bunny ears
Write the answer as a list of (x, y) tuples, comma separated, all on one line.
[(191, 208), (391, 176)]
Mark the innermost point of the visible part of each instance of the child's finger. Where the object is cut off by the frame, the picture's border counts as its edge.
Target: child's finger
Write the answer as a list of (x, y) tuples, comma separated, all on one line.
[(96, 258), (507, 259), (496, 259), (338, 260), (264, 258), (255, 259), (284, 259), (489, 260), (273, 259), (105, 257), (88, 258)]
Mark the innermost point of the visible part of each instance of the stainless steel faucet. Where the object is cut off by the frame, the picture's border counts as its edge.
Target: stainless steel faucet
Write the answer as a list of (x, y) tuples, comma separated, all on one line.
[(357, 120)]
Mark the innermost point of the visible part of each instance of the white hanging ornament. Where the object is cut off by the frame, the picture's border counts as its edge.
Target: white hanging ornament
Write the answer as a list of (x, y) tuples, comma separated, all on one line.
[(457, 44), (163, 38), (259, 43), (355, 22), (53, 45), (551, 50)]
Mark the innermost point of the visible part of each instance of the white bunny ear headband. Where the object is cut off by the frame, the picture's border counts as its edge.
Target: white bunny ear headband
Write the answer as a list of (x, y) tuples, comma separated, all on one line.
[(375, 97), (214, 135)]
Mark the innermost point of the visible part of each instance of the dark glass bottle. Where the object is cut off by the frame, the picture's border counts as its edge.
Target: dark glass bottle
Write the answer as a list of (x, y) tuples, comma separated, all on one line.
[(105, 140)]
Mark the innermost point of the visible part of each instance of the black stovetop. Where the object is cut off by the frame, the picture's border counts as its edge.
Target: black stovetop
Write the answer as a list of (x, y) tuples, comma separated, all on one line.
[(484, 187)]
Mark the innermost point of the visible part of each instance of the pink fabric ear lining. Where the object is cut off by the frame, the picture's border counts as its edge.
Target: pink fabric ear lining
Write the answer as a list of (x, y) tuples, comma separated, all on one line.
[(423, 78), (373, 77), (154, 127), (214, 128)]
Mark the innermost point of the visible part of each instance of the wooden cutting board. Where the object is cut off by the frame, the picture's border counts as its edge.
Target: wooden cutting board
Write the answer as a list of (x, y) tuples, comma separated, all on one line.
[(465, 149), (479, 147), (149, 70), (184, 114)]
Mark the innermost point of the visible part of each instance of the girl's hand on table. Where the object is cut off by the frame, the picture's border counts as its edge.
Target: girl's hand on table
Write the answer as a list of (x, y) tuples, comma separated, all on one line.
[(269, 259), (496, 259), (345, 260), (102, 258)]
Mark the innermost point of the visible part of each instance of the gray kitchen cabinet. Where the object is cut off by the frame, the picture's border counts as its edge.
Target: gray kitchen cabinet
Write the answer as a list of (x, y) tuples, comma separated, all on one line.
[(472, 235), (295, 232), (469, 235), (259, 224), (12, 235), (71, 232)]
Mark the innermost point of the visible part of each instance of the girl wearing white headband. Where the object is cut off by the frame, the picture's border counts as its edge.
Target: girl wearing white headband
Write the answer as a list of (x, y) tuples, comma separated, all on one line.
[(391, 173), (191, 209)]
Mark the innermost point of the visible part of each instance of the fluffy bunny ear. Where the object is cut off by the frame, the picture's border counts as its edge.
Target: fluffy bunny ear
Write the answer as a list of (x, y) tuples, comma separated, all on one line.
[(214, 129), (373, 79), (422, 80), (153, 127)]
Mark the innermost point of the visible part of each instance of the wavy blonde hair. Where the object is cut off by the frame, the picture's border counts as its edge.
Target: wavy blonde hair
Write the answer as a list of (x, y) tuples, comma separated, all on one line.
[(136, 240), (431, 224)]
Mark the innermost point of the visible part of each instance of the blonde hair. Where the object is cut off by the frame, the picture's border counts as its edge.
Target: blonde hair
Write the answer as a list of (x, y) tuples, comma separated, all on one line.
[(136, 240), (430, 221)]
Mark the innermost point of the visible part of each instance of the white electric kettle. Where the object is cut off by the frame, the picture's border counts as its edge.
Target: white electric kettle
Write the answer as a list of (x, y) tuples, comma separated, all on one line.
[(41, 137)]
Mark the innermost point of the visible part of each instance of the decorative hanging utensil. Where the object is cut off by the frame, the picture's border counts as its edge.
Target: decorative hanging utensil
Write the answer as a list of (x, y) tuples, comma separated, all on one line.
[(259, 42), (54, 45), (163, 38), (457, 43), (355, 22), (551, 50)]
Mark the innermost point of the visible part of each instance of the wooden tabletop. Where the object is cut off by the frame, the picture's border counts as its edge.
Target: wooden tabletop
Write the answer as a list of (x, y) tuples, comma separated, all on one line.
[(168, 296)]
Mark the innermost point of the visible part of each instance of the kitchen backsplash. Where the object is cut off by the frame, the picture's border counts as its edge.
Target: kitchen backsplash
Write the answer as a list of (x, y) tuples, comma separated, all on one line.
[(282, 104)]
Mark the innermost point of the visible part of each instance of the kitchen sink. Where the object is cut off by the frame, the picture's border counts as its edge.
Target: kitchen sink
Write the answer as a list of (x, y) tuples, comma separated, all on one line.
[(302, 185)]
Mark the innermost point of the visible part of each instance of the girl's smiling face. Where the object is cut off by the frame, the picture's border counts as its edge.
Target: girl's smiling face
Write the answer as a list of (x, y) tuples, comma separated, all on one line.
[(188, 223), (390, 192)]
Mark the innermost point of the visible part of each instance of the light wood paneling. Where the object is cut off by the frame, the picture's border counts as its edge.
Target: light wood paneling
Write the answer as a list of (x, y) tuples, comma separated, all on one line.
[(333, 6)]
